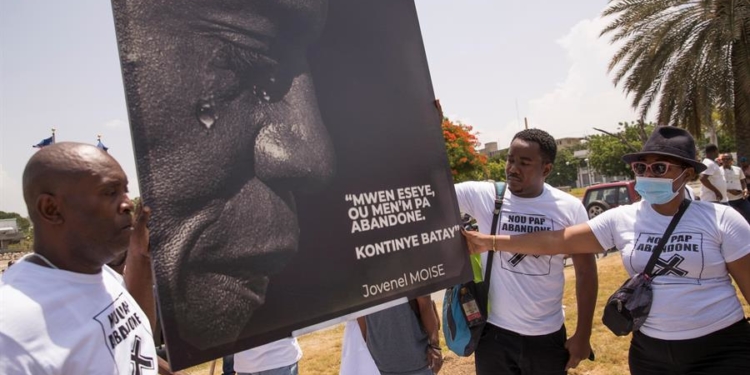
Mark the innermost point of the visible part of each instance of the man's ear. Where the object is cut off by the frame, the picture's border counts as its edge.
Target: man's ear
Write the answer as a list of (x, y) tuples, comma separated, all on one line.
[(547, 169), (48, 208), (692, 174)]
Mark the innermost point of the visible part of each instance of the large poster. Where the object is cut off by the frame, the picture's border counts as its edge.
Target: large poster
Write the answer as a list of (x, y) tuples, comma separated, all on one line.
[(294, 161)]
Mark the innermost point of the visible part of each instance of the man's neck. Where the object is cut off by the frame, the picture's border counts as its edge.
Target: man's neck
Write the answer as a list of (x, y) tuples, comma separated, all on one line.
[(63, 262)]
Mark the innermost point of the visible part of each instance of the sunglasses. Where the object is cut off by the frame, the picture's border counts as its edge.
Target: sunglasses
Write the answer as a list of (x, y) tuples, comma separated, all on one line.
[(658, 168)]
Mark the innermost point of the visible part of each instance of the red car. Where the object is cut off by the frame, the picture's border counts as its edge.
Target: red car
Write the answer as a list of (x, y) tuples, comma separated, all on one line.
[(601, 197)]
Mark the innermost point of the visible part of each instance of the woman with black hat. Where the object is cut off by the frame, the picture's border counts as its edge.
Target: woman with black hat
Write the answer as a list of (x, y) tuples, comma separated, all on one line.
[(696, 323)]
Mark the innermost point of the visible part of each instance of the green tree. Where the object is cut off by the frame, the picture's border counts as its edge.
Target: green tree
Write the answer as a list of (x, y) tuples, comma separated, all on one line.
[(606, 150), (460, 143), (496, 169), (688, 56), (565, 169)]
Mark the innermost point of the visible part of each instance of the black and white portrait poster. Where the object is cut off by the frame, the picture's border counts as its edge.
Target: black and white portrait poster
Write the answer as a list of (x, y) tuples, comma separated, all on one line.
[(293, 158)]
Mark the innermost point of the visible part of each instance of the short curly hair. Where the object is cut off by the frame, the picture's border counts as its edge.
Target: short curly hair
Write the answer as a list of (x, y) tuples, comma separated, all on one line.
[(545, 141)]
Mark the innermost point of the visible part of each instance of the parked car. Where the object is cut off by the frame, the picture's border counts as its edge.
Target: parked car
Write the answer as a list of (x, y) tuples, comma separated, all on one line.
[(601, 197)]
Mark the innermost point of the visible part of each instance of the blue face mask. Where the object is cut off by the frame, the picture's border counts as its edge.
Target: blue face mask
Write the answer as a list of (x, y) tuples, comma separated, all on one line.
[(656, 190)]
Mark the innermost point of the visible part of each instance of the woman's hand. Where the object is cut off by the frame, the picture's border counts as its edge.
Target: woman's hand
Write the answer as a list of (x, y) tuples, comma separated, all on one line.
[(478, 242)]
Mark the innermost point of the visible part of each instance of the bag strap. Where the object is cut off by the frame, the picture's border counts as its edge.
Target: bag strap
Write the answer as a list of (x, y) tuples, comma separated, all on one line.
[(663, 240), (499, 193)]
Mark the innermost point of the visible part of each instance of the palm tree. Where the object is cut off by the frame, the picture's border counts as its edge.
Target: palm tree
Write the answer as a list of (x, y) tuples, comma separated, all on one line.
[(692, 57)]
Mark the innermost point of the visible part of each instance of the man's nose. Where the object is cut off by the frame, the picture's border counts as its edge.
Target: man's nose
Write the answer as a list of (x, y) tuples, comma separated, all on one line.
[(295, 150), (127, 205), (510, 167)]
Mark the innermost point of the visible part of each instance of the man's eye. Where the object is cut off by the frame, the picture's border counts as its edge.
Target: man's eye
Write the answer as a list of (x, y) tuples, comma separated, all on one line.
[(267, 90), (270, 87), (257, 72)]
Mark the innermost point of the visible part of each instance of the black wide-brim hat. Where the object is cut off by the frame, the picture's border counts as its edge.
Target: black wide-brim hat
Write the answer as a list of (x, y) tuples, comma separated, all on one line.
[(669, 141)]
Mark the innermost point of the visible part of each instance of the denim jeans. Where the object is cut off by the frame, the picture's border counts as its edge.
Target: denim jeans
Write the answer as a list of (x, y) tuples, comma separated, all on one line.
[(227, 367), (286, 370)]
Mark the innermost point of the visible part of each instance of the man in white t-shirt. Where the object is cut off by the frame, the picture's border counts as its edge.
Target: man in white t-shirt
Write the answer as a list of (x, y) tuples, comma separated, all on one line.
[(64, 311), (745, 168), (276, 358), (713, 186), (736, 186), (525, 333)]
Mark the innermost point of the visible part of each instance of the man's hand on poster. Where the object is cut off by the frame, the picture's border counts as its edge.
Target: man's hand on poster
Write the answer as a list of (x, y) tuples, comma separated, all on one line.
[(139, 279), (139, 237)]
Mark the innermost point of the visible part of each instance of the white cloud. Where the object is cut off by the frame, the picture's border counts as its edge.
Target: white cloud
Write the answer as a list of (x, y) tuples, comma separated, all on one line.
[(587, 97), (115, 124), (584, 99), (11, 195)]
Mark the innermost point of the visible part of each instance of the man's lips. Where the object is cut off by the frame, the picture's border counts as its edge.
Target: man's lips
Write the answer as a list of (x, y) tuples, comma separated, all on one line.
[(247, 288), (246, 265)]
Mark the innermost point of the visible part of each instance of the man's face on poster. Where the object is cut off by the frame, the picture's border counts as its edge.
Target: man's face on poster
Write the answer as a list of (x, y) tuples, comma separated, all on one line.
[(232, 130)]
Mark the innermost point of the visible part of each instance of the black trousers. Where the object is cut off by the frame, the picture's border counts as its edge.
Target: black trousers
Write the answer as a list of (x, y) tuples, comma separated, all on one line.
[(503, 352), (724, 352)]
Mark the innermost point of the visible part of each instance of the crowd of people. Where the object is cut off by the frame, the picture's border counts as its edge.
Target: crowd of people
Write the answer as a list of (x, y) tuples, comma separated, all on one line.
[(101, 319), (696, 324), (724, 183)]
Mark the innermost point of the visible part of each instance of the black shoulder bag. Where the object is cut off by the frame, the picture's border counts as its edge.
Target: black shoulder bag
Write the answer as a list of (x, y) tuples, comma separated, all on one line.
[(628, 307), (465, 305)]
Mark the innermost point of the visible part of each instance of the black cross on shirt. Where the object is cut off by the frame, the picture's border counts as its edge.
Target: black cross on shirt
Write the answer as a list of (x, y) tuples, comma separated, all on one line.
[(669, 267), (137, 361)]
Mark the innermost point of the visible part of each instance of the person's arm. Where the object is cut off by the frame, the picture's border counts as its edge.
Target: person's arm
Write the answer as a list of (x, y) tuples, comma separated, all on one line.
[(577, 239), (587, 287), (710, 186), (163, 368), (744, 186), (429, 321), (139, 279), (362, 327), (740, 271)]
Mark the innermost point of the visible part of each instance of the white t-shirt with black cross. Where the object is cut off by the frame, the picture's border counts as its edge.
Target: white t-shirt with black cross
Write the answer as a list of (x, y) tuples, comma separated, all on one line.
[(60, 322), (692, 291), (525, 290)]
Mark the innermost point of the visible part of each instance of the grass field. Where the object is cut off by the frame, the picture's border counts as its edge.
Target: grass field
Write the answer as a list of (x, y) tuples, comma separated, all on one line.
[(322, 349)]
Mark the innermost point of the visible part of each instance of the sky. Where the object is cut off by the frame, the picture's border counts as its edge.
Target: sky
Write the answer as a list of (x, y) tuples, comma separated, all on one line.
[(492, 63)]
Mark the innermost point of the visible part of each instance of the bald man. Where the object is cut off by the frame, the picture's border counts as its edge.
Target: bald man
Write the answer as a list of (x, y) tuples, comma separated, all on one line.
[(63, 310)]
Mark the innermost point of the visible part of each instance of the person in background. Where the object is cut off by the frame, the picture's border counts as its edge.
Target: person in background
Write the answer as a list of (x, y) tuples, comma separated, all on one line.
[(696, 324), (745, 169), (736, 186), (713, 186), (277, 358), (227, 365), (404, 339)]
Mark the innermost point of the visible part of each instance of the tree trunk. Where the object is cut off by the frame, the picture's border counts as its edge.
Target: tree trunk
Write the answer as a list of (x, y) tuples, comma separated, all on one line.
[(741, 76), (711, 129)]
